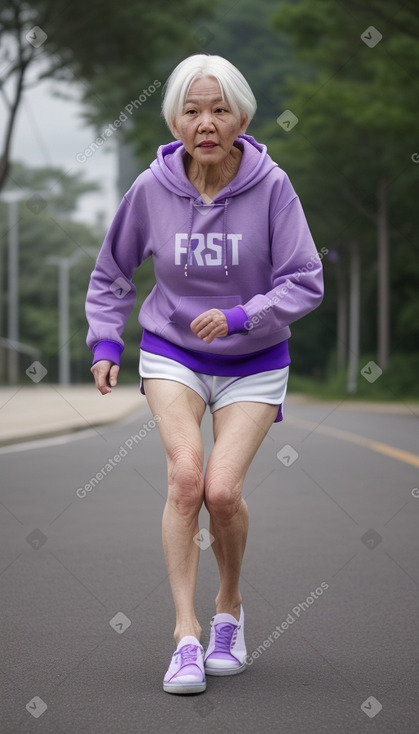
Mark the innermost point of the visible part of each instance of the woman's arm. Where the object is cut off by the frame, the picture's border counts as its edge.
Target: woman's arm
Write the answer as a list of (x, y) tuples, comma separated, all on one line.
[(297, 273), (111, 293)]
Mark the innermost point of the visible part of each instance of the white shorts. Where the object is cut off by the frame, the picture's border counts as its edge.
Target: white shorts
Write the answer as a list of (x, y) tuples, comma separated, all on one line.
[(217, 392)]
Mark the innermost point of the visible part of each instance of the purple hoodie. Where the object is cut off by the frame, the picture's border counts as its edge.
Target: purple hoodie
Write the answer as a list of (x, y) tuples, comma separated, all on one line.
[(249, 252)]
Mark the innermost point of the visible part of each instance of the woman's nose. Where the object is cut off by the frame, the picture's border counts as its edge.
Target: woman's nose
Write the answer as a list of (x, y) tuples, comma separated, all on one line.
[(206, 122)]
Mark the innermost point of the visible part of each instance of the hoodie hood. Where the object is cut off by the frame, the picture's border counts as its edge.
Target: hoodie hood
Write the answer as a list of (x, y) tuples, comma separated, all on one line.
[(255, 164), (169, 170)]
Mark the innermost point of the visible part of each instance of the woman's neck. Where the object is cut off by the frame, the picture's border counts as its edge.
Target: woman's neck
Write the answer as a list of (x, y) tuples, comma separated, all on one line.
[(211, 179)]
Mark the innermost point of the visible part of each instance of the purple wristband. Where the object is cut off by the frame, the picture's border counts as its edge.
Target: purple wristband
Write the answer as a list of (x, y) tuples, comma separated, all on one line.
[(236, 319), (107, 349)]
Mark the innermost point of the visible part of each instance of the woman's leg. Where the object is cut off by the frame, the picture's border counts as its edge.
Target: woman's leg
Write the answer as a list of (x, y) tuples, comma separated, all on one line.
[(239, 429), (181, 410)]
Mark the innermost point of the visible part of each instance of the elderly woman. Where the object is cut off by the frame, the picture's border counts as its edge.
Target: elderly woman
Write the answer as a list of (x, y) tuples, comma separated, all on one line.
[(235, 265)]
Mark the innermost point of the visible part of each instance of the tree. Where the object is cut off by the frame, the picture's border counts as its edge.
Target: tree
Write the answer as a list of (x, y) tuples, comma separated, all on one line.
[(243, 33), (355, 114), (113, 49), (46, 231)]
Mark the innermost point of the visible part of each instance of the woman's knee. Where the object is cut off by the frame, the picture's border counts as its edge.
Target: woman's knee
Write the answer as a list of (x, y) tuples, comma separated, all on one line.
[(186, 483), (222, 494)]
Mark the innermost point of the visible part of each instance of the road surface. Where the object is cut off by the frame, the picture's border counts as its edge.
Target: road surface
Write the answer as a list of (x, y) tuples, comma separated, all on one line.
[(330, 582)]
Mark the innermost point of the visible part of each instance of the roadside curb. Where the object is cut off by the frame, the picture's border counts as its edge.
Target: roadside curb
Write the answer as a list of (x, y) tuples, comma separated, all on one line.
[(48, 411)]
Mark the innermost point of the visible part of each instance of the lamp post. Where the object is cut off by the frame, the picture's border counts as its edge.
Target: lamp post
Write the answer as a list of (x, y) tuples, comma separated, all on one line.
[(12, 199), (64, 266), (354, 315)]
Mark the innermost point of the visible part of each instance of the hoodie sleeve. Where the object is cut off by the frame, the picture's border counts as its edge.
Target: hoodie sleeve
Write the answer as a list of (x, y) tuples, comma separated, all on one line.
[(297, 273), (111, 293)]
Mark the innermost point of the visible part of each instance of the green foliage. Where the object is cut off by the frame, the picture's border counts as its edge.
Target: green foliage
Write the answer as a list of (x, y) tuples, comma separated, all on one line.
[(41, 234), (397, 384), (357, 126), (113, 50), (47, 234), (243, 33), (62, 193), (118, 50)]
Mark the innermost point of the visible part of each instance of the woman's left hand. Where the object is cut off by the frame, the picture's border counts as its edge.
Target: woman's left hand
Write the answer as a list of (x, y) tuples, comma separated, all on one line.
[(209, 325)]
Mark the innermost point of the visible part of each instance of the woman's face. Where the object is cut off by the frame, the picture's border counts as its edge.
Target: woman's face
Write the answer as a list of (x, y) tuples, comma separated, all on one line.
[(206, 126)]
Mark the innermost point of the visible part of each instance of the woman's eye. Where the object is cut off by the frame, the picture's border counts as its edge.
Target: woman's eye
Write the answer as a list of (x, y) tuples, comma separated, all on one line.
[(190, 112)]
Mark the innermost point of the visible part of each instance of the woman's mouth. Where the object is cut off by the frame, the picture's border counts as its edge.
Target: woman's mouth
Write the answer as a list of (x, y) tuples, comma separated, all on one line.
[(207, 144)]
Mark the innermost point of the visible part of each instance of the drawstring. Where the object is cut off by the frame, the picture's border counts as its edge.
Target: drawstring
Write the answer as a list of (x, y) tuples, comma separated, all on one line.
[(189, 253), (189, 257), (225, 238)]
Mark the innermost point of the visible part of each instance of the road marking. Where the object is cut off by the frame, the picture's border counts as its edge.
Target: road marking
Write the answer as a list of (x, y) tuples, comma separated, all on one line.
[(381, 448), (46, 443)]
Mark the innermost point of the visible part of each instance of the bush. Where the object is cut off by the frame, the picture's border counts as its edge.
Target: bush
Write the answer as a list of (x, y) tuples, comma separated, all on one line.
[(398, 382)]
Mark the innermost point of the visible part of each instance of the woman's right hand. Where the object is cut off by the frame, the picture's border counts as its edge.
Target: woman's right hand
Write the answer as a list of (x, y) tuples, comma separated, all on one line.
[(105, 373)]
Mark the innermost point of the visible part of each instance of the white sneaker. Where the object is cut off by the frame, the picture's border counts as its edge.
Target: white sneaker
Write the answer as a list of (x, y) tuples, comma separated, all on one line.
[(226, 652), (186, 670)]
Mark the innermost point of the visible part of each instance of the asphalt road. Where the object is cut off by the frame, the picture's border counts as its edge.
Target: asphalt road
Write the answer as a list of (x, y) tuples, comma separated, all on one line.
[(331, 568)]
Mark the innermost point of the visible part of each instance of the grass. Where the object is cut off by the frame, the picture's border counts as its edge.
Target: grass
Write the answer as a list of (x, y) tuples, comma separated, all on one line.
[(398, 383)]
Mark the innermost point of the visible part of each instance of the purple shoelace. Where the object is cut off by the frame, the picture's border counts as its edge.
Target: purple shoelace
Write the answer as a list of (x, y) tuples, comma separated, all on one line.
[(188, 654), (223, 636)]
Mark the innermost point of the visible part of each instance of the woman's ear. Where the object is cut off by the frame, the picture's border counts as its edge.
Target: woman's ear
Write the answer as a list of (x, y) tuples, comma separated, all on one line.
[(175, 131), (245, 122)]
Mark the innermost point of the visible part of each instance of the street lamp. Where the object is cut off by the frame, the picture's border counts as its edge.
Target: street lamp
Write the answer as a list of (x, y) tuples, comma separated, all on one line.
[(12, 199), (354, 318), (64, 266)]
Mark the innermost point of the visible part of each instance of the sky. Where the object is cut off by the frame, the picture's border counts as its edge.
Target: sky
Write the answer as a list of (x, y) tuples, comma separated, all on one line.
[(51, 131)]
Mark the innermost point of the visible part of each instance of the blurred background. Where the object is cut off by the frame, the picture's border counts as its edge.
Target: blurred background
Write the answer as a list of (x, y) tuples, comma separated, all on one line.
[(337, 90)]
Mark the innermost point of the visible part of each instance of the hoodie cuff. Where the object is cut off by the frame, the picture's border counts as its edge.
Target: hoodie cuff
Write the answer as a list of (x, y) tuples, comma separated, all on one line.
[(236, 319), (107, 350)]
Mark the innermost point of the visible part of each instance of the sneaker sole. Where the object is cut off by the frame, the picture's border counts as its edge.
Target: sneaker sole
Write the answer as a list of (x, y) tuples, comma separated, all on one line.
[(184, 689), (226, 671)]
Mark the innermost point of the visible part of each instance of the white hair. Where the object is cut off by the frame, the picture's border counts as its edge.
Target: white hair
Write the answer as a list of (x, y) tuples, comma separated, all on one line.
[(234, 87)]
